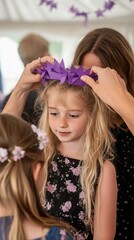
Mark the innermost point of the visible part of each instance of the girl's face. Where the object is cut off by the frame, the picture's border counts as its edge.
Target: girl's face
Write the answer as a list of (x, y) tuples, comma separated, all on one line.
[(90, 59), (67, 121)]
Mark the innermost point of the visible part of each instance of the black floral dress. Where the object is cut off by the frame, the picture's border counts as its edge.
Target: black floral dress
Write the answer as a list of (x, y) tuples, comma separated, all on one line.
[(64, 196), (124, 162)]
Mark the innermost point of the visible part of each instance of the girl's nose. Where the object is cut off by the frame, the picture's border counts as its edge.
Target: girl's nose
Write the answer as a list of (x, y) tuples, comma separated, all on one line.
[(63, 122)]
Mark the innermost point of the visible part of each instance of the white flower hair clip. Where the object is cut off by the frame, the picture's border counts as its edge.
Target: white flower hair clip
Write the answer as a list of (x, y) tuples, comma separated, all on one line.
[(18, 153), (3, 154), (41, 136)]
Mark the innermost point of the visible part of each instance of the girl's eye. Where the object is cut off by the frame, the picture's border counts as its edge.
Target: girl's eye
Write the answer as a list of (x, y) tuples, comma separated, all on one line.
[(54, 113), (73, 115)]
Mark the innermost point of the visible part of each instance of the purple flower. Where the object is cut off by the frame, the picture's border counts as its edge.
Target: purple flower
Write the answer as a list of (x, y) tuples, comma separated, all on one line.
[(48, 206), (3, 154), (76, 171), (18, 153), (54, 166), (99, 13), (57, 71), (109, 5), (81, 215), (82, 195), (70, 186), (63, 234), (66, 206), (78, 13), (79, 236), (51, 187), (67, 161), (50, 3)]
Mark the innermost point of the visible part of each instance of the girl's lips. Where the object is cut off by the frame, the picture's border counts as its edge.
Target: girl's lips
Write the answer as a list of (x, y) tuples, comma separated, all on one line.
[(63, 133)]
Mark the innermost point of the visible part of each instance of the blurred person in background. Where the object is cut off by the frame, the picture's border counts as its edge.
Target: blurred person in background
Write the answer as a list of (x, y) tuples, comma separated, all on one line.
[(31, 47)]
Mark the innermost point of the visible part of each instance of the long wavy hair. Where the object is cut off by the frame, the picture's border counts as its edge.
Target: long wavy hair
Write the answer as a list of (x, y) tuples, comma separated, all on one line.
[(97, 139), (17, 186), (113, 50)]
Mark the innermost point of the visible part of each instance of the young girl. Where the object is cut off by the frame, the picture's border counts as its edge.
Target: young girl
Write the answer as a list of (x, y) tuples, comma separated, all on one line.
[(104, 48), (21, 178), (80, 177)]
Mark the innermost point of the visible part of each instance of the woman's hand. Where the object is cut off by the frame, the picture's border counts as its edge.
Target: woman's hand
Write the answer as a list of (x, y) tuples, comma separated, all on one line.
[(109, 86)]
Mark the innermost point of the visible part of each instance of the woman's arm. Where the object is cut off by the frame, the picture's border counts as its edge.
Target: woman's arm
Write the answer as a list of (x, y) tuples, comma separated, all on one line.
[(106, 204), (111, 88), (27, 82)]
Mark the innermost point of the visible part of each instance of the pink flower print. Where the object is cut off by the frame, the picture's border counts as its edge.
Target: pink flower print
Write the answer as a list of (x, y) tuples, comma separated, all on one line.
[(63, 234), (82, 195), (54, 166), (51, 187), (66, 206), (70, 186), (48, 206), (79, 236), (81, 215), (76, 171), (67, 161)]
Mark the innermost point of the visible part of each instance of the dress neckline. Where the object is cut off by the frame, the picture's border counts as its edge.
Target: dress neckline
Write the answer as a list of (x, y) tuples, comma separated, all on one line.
[(70, 158)]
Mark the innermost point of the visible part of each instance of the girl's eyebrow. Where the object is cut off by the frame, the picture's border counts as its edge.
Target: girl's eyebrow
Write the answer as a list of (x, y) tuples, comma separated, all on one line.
[(53, 108), (71, 110)]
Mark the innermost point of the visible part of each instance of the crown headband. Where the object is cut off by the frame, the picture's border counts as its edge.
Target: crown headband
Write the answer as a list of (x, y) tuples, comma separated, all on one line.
[(18, 153), (57, 71)]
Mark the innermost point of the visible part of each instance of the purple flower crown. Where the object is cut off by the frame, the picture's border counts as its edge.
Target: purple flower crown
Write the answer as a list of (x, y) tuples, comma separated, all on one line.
[(57, 71)]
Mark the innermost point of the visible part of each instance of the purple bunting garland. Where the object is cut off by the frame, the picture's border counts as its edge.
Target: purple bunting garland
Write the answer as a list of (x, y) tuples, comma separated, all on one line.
[(108, 5), (78, 13), (50, 3)]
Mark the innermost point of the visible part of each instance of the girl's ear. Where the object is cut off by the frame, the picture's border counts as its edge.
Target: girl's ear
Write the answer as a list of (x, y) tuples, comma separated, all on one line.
[(36, 170)]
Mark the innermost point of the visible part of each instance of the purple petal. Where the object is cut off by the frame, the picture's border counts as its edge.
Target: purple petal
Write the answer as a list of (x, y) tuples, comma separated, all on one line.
[(109, 4)]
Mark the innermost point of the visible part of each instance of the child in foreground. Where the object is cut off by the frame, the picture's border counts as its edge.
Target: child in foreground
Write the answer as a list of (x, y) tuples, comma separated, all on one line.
[(81, 180), (21, 180)]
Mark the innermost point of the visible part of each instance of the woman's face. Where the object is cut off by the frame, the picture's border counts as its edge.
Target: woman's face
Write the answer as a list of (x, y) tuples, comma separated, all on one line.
[(90, 59)]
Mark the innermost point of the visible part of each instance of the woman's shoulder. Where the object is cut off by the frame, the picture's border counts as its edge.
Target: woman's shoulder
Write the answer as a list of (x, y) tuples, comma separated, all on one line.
[(121, 131)]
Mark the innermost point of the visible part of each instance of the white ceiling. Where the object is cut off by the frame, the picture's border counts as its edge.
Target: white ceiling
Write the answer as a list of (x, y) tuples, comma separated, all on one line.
[(17, 17), (32, 11)]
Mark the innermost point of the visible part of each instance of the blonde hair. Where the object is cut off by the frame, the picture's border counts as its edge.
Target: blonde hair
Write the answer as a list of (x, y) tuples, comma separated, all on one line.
[(97, 139), (16, 178)]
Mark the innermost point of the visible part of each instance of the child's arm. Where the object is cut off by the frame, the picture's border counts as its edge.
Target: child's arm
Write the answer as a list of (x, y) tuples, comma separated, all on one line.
[(105, 210)]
